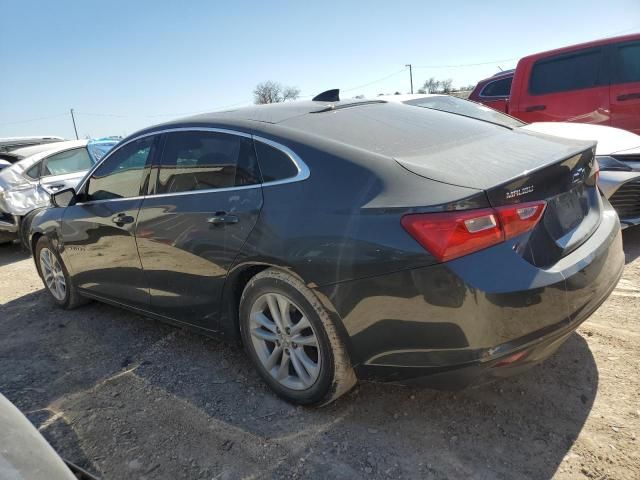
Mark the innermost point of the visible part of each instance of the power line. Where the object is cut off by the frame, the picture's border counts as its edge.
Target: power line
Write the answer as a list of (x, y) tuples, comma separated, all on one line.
[(467, 64), (34, 119), (374, 81)]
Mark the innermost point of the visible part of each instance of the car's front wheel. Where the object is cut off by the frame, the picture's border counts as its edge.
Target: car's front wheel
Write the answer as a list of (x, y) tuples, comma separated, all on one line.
[(292, 340), (55, 276)]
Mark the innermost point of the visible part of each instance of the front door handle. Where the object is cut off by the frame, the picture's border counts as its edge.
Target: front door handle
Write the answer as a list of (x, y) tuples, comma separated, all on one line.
[(122, 218), (628, 96), (222, 218), (55, 187), (535, 108)]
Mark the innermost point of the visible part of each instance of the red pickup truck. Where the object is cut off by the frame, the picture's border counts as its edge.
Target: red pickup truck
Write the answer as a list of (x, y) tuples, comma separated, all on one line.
[(595, 82)]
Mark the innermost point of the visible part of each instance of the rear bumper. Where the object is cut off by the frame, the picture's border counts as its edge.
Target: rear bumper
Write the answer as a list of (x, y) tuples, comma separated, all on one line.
[(458, 323), (511, 358)]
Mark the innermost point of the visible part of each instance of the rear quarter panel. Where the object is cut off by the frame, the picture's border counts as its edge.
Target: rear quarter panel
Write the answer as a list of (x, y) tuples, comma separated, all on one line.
[(343, 222)]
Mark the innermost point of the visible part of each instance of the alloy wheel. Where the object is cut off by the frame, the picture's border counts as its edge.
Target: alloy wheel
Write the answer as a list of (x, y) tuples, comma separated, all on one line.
[(285, 341), (53, 274)]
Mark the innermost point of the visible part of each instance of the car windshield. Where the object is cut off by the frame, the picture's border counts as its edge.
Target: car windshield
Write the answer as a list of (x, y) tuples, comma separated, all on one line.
[(458, 106)]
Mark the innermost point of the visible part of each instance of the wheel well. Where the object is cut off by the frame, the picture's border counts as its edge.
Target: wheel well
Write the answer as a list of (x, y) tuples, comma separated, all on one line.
[(34, 240), (238, 284)]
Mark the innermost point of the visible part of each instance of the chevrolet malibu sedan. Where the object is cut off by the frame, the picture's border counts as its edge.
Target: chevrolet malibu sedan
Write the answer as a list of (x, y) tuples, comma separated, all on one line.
[(343, 240)]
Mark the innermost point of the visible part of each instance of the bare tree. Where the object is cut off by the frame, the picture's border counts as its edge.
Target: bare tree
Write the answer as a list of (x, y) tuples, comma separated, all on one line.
[(431, 85), (274, 92), (446, 85)]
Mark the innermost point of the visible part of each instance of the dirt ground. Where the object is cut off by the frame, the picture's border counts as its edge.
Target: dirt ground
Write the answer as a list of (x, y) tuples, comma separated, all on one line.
[(128, 397)]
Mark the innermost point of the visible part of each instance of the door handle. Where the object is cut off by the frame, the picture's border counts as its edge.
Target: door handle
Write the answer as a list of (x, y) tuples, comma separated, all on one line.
[(122, 218), (55, 187), (222, 218), (535, 108), (628, 96)]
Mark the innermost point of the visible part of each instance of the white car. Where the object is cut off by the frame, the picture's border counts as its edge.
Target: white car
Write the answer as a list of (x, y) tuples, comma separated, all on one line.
[(41, 170), (617, 151)]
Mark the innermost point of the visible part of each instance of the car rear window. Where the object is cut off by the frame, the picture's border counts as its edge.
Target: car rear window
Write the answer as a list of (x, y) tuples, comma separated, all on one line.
[(499, 88), (394, 130), (459, 106), (567, 72)]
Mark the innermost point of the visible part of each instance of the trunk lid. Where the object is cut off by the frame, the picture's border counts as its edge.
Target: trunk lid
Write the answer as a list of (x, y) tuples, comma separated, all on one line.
[(521, 168)]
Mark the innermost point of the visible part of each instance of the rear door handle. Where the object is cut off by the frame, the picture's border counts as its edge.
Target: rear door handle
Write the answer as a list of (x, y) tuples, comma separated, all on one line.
[(55, 187), (222, 218), (628, 96), (122, 218), (535, 108)]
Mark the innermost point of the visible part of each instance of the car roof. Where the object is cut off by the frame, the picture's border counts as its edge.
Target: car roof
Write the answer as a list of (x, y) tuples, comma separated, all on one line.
[(498, 76), (593, 43), (408, 96), (257, 118), (54, 147)]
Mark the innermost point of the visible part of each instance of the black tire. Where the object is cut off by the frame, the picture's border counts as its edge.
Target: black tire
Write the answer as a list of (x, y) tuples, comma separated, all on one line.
[(336, 375), (72, 297)]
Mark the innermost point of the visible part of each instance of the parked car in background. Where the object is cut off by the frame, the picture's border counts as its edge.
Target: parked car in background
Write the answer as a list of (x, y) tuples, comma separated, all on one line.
[(617, 151), (618, 155), (596, 82), (494, 91), (11, 143), (18, 154), (39, 171), (342, 240)]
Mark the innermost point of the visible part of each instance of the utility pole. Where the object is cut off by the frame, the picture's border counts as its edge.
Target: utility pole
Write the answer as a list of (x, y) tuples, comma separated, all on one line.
[(74, 124), (410, 75)]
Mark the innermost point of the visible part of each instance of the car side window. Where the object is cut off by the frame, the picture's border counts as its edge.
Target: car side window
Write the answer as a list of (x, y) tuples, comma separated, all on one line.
[(200, 160), (627, 59), (70, 161), (274, 164), (567, 72), (34, 172), (120, 175), (499, 88)]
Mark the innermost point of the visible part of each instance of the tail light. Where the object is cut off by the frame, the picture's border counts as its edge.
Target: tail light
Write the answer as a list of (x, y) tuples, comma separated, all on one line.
[(455, 234)]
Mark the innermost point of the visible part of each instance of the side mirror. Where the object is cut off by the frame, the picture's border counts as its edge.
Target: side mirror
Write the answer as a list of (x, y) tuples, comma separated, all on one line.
[(63, 198)]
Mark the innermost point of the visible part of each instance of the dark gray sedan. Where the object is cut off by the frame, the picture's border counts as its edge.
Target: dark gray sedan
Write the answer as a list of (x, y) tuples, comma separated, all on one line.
[(340, 240)]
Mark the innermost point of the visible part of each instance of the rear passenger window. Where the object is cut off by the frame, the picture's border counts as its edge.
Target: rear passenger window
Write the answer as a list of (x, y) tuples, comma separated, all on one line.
[(274, 164), (628, 63), (70, 161), (567, 72), (206, 160), (499, 88)]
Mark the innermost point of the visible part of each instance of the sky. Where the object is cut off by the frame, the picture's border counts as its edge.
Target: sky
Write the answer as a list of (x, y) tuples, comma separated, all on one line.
[(125, 65)]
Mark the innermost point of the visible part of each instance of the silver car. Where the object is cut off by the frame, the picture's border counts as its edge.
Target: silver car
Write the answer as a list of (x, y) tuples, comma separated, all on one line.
[(43, 169)]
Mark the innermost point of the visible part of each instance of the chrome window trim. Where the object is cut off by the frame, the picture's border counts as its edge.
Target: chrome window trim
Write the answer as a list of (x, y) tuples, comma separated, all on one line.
[(303, 169)]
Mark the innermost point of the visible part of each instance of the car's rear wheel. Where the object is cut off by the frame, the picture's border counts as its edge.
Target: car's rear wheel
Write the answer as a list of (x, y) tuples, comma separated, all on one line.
[(292, 340), (55, 276)]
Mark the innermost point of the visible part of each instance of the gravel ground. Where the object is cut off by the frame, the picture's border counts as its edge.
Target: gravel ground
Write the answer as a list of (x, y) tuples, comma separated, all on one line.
[(128, 397)]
